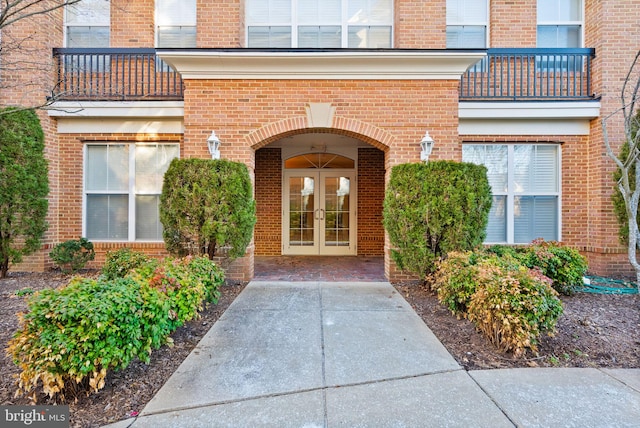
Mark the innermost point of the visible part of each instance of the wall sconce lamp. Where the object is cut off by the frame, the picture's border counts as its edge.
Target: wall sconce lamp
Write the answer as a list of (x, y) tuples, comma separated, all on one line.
[(426, 145), (214, 145)]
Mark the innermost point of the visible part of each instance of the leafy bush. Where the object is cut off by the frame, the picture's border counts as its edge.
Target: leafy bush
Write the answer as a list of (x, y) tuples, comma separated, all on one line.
[(435, 208), (72, 255), (207, 207), (512, 304), (455, 280), (565, 266), (122, 261), (24, 186), (72, 337)]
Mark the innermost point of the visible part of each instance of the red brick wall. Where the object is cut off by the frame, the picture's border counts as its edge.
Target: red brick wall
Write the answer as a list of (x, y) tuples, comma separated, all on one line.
[(370, 197), (420, 24), (268, 230), (512, 24), (132, 23)]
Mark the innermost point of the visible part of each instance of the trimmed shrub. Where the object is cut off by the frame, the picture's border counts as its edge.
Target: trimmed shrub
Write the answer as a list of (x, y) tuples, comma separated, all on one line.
[(72, 337), (512, 304), (122, 261), (24, 186), (565, 266), (455, 280), (72, 255), (435, 208), (207, 207)]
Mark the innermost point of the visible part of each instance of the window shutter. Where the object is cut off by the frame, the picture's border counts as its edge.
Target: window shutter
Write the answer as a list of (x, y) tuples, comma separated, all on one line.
[(319, 11), (497, 224), (474, 11), (545, 174)]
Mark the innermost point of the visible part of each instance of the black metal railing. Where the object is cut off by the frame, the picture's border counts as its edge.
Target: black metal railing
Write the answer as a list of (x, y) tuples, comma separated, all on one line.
[(550, 74), (109, 74)]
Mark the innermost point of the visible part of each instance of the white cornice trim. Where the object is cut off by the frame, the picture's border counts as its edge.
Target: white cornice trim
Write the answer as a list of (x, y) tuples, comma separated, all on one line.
[(368, 65), (129, 109), (529, 110)]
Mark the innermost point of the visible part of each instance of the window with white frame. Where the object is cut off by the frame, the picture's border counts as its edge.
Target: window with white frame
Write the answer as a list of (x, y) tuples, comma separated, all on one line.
[(319, 23), (467, 23), (525, 183), (560, 23), (176, 23), (122, 187), (87, 24)]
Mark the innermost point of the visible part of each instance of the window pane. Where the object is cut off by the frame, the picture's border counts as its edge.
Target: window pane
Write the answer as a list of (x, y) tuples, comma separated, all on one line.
[(152, 161), (370, 12), (535, 217), (88, 12), (148, 226), (535, 169), (319, 11), (176, 12), (467, 36), (319, 37), (176, 37), (107, 217), (369, 37), (497, 225), (494, 157), (559, 10), (107, 168), (463, 11), (268, 12), (269, 37), (87, 37)]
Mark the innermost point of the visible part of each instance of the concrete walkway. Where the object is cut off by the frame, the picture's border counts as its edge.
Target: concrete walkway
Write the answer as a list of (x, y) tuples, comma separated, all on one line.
[(322, 354)]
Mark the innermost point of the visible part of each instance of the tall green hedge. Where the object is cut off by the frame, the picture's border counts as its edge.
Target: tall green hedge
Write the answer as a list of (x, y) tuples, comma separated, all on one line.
[(207, 207), (24, 186), (434, 208)]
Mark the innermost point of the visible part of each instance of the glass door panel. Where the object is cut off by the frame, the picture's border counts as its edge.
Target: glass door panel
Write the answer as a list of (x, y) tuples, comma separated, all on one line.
[(319, 212)]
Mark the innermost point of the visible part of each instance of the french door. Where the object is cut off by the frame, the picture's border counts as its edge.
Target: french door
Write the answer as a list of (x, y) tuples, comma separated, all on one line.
[(319, 212)]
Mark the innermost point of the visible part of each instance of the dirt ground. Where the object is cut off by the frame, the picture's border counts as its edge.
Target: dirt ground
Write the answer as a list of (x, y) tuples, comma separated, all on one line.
[(595, 331)]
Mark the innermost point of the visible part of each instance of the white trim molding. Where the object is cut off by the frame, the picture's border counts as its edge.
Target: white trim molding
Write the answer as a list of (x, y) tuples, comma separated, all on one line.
[(126, 117), (321, 64), (527, 118)]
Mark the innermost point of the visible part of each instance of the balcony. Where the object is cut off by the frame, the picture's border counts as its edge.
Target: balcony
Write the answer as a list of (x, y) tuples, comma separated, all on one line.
[(113, 74), (538, 74)]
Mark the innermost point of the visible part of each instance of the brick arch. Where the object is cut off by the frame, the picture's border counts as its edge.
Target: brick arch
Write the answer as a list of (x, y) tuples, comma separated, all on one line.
[(363, 131)]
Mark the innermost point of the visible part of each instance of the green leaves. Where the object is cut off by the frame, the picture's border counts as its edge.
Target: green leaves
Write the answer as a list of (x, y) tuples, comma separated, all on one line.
[(207, 207), (434, 208), (76, 334), (72, 255), (24, 186)]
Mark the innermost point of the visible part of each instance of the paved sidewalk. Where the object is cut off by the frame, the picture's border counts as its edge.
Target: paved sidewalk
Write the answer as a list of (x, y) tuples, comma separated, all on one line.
[(347, 354)]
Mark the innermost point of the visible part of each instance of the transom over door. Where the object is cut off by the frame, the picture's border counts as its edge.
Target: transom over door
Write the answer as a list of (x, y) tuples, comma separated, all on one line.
[(319, 212)]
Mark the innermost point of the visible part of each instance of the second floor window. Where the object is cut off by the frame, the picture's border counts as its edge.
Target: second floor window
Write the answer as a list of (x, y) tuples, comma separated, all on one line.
[(87, 24), (559, 23), (176, 23), (467, 24), (319, 23)]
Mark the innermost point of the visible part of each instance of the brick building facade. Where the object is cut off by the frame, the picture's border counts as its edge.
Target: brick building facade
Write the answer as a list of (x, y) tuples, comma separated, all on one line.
[(350, 88)]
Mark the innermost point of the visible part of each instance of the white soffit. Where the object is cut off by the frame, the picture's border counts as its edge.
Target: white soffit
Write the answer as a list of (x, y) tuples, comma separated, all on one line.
[(151, 117), (351, 64), (527, 118)]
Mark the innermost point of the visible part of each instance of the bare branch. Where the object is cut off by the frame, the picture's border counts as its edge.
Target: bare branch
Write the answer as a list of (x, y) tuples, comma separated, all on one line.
[(16, 10)]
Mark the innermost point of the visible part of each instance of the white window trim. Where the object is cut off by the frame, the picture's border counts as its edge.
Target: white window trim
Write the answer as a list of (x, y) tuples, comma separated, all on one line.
[(131, 191), (510, 194), (344, 25)]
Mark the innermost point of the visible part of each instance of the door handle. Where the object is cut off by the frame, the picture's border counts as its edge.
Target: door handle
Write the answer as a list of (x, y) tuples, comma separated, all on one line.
[(321, 214)]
